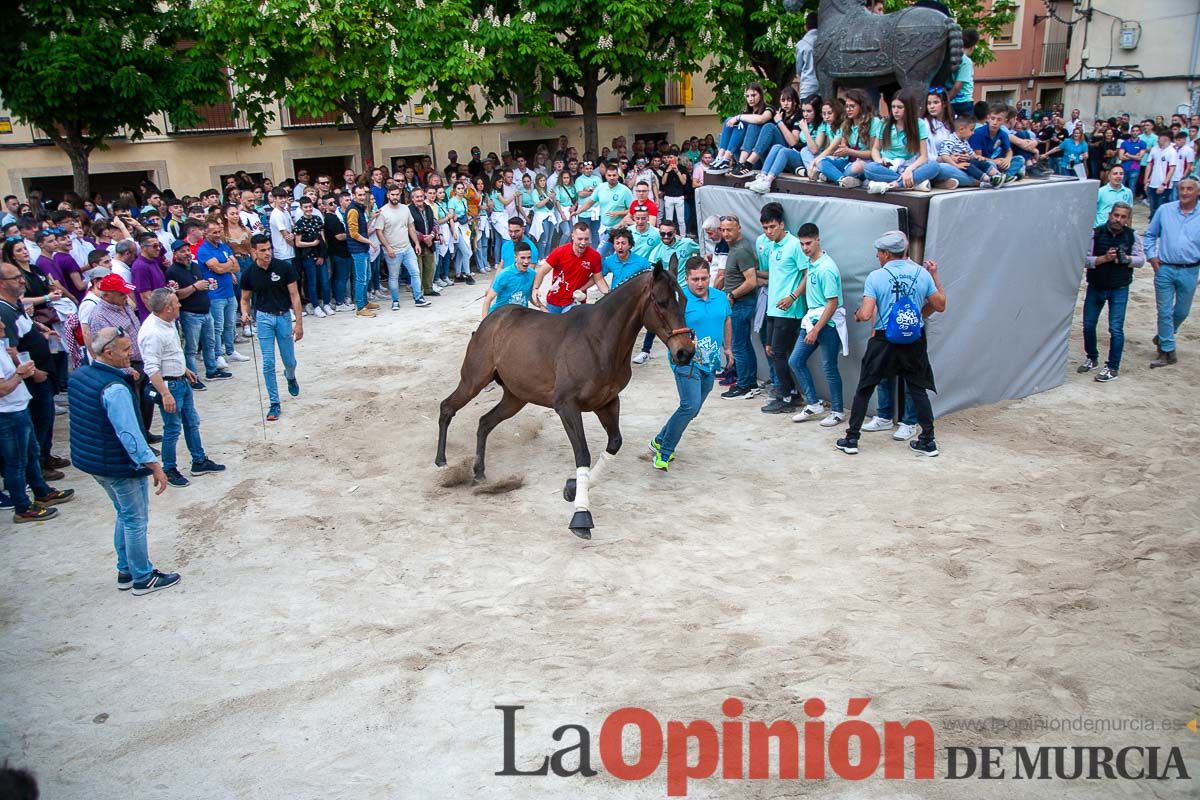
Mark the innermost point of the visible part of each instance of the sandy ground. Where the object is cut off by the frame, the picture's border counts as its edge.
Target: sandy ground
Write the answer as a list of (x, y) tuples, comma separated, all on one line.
[(346, 624)]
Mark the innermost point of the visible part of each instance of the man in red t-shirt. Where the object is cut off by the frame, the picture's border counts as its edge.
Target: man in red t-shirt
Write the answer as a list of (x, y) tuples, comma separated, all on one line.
[(573, 267)]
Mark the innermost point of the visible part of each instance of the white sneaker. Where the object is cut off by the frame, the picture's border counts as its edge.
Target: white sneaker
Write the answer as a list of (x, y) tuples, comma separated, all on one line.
[(319, 313), (923, 186), (850, 183), (761, 184), (236, 356), (330, 309), (222, 363), (877, 187), (641, 358), (808, 412), (308, 309), (904, 432), (878, 424), (833, 418)]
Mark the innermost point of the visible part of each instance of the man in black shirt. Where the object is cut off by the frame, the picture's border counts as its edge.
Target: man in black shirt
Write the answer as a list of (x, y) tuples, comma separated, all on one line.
[(270, 287), (341, 266), (183, 275), (1116, 252)]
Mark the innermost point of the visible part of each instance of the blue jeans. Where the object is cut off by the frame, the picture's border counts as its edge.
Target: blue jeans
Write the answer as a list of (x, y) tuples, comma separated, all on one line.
[(461, 252), (545, 238), (768, 139), (406, 258), (1131, 181), (745, 360), (224, 313), (1016, 165), (1093, 303), (482, 240), (732, 138), (885, 402), (1157, 197), (342, 267), (131, 498), (594, 226), (1173, 291), (276, 328), (875, 171), (553, 309), (834, 167), (376, 286), (22, 459), (830, 346), (975, 172), (442, 270), (185, 413), (781, 159), (693, 384), (362, 275), (316, 281), (198, 332)]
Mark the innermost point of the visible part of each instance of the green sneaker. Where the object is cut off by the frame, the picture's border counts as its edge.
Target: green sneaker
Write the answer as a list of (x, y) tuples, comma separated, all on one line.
[(655, 447), (660, 464)]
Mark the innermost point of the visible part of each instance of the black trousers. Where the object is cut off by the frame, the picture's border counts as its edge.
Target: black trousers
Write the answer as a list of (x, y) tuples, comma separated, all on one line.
[(782, 337), (880, 363), (145, 403)]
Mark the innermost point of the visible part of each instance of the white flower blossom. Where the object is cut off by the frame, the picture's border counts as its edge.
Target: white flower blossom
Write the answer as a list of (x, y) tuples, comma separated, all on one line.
[(475, 25), (529, 17), (69, 16), (127, 42), (705, 36), (148, 42), (53, 35), (419, 4), (102, 24), (507, 20), (395, 51)]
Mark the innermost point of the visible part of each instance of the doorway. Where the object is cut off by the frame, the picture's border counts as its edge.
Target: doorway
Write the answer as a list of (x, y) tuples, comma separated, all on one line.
[(332, 166), (527, 147), (110, 184)]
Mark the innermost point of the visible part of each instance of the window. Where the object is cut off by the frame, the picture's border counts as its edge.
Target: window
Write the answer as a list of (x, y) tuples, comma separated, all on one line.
[(1009, 33)]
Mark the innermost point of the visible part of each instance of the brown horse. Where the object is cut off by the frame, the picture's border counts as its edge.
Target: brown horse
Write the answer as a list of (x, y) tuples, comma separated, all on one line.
[(573, 363)]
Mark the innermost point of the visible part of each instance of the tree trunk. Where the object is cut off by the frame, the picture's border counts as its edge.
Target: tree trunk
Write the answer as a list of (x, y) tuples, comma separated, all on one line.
[(589, 106), (366, 143), (78, 154)]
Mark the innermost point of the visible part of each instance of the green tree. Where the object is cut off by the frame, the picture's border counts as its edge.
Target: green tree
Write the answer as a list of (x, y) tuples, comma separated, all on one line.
[(756, 41), (633, 45), (367, 59), (84, 70)]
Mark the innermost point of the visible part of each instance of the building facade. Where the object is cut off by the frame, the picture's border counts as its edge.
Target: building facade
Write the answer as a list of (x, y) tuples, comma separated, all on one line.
[(1030, 65), (190, 160)]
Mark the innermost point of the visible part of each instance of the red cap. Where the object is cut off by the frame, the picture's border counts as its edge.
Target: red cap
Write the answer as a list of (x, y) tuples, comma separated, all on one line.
[(115, 283)]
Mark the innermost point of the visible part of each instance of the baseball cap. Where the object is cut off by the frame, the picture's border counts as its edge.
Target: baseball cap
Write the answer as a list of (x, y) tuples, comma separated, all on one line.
[(178, 244), (97, 273), (149, 210), (115, 283)]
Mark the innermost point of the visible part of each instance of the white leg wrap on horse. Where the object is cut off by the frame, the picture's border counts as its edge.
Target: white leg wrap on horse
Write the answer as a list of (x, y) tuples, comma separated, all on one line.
[(594, 477), (581, 488)]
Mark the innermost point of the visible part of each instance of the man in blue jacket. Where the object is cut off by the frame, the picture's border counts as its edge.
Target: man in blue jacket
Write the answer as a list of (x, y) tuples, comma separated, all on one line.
[(107, 443)]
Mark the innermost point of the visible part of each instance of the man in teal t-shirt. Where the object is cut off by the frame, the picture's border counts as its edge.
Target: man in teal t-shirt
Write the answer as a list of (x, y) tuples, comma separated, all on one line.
[(672, 244), (614, 199), (707, 313), (962, 91), (511, 285), (823, 295), (645, 235), (781, 257)]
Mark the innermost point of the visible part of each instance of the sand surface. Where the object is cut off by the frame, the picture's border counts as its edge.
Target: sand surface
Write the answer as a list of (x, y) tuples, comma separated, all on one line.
[(346, 623)]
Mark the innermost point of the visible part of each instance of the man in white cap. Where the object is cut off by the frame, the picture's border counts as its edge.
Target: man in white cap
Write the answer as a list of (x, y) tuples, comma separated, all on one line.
[(897, 297)]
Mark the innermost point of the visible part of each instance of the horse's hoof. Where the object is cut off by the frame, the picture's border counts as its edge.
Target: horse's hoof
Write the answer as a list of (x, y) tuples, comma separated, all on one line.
[(569, 490), (581, 524), (440, 463)]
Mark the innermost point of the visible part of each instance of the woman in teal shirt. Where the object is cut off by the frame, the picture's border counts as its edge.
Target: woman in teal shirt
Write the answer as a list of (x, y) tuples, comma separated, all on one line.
[(900, 150), (1075, 151)]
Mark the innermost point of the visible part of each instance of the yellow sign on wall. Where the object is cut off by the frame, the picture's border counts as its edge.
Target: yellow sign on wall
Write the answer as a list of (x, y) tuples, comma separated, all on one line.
[(6, 125)]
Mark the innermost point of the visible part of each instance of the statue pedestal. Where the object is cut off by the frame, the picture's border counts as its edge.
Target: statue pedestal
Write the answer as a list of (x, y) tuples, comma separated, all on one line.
[(1011, 261)]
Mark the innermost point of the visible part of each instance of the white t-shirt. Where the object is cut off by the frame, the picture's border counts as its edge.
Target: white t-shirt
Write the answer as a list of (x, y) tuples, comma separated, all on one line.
[(18, 398), (119, 267), (1160, 159), (1187, 157), (281, 221), (393, 226), (251, 221)]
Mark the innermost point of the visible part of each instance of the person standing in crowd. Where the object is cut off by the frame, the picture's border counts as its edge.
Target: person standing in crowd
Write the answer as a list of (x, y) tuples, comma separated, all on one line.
[(219, 265), (280, 222), (913, 293), (426, 227), (1173, 249), (192, 289), (307, 228), (20, 455), (516, 234), (707, 313), (623, 264), (114, 311), (782, 259), (147, 271), (823, 328), (1161, 167), (270, 290), (588, 211), (340, 264), (172, 381), (1116, 253), (511, 285), (107, 443), (573, 267), (359, 247), (806, 69), (671, 244), (1110, 194), (741, 287), (962, 92), (401, 246)]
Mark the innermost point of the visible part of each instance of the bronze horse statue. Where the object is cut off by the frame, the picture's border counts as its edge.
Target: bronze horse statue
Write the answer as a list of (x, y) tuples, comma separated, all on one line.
[(914, 49), (573, 362)]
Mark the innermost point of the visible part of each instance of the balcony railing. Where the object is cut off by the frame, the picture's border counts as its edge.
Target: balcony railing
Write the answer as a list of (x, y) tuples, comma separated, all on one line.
[(560, 106), (214, 118), (674, 95), (1054, 58), (292, 119)]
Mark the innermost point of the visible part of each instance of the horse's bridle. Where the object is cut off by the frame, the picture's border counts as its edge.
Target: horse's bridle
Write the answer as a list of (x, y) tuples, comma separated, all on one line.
[(662, 318)]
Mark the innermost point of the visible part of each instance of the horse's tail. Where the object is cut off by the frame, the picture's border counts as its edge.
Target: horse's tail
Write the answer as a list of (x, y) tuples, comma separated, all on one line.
[(954, 54)]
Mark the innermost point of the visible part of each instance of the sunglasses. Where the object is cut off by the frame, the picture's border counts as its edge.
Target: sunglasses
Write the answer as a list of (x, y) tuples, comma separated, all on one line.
[(11, 239), (937, 90), (100, 345)]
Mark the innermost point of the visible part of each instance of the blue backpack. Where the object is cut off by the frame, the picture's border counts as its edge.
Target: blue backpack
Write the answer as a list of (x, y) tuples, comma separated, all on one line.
[(904, 322)]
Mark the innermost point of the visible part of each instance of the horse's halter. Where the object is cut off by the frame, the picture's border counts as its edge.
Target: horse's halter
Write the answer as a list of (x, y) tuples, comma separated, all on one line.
[(662, 318)]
